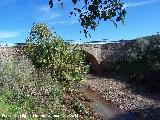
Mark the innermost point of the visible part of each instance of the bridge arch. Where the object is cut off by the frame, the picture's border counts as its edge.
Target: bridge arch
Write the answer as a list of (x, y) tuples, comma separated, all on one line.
[(94, 66)]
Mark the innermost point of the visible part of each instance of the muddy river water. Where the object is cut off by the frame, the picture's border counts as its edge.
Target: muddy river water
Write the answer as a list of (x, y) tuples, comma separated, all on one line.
[(105, 109)]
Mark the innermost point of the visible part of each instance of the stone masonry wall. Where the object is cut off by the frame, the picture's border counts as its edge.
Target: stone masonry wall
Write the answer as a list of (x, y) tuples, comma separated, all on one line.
[(103, 53)]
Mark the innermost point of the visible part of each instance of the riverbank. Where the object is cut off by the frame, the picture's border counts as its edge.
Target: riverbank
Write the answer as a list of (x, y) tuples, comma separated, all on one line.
[(104, 109), (131, 98)]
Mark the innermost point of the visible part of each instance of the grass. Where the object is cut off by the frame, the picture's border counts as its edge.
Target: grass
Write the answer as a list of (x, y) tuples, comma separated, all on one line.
[(25, 94), (7, 109)]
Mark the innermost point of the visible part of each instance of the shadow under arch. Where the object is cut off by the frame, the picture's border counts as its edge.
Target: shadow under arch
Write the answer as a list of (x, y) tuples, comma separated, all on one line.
[(94, 66)]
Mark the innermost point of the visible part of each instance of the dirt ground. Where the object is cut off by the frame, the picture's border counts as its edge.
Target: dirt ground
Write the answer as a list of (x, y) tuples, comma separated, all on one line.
[(125, 96)]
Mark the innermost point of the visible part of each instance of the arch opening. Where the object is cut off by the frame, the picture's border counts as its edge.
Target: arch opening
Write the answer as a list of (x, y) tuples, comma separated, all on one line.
[(94, 66)]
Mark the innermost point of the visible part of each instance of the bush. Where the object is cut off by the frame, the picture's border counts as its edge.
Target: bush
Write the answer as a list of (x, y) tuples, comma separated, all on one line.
[(49, 52), (142, 62), (25, 93)]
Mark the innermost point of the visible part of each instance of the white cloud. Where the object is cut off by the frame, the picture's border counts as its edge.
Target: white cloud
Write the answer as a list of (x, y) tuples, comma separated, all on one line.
[(54, 16), (44, 8), (73, 22), (64, 22), (8, 34), (49, 16), (45, 13), (127, 5), (6, 2)]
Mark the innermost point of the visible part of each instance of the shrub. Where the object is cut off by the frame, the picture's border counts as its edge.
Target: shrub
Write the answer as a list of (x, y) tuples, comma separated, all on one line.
[(27, 93), (49, 52), (143, 62)]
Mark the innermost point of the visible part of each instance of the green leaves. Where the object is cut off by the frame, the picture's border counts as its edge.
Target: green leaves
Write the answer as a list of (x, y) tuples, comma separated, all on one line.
[(51, 3), (74, 1), (47, 50), (93, 11)]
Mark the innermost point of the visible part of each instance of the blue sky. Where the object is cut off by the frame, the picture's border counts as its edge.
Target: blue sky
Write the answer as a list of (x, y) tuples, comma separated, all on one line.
[(18, 16)]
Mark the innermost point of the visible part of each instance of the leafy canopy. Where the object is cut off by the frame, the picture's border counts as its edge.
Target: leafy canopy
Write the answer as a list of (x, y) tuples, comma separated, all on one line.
[(93, 11), (48, 51)]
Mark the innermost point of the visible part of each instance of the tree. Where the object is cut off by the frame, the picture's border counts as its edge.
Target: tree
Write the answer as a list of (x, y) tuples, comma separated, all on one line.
[(93, 11), (48, 51)]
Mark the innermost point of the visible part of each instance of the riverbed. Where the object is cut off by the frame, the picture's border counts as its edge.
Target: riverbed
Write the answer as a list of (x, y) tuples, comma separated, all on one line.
[(105, 109), (126, 97)]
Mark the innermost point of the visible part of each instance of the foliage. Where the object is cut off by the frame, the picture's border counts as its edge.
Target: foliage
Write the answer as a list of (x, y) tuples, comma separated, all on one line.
[(93, 11), (5, 108), (48, 51), (78, 108), (142, 64), (26, 94)]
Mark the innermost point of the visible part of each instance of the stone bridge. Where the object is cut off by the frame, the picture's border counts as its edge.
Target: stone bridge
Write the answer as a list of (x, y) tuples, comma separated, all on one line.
[(98, 56)]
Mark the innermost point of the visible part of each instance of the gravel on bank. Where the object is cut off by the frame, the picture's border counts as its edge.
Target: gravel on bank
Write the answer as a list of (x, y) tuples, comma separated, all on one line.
[(127, 97)]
